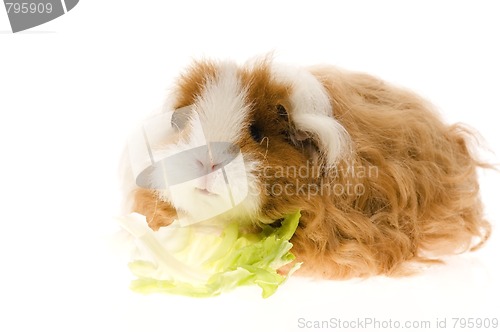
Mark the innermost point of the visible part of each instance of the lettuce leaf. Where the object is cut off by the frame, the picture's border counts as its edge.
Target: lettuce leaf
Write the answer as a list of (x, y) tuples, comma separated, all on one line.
[(202, 261)]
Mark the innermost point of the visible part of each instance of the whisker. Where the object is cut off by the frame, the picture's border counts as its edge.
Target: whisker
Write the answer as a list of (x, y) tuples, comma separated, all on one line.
[(267, 146)]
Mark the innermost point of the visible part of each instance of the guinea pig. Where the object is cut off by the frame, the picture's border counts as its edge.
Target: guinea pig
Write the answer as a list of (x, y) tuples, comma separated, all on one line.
[(380, 180)]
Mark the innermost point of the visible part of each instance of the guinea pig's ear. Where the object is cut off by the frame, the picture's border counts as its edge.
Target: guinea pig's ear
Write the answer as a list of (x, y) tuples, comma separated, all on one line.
[(311, 114)]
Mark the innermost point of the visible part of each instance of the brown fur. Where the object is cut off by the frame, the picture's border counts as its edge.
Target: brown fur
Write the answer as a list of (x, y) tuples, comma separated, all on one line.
[(423, 201), (191, 84)]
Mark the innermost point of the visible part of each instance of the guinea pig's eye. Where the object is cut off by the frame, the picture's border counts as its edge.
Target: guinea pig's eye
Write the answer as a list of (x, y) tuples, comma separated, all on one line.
[(256, 133)]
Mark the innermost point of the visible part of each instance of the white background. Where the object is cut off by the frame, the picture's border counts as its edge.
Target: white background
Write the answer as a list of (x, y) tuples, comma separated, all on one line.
[(72, 89)]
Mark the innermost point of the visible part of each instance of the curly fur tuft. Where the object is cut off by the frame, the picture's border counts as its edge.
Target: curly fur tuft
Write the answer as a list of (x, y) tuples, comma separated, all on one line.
[(423, 202)]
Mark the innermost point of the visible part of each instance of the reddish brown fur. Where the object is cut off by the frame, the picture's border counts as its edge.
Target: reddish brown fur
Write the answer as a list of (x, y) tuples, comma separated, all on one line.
[(157, 212), (191, 84), (424, 201)]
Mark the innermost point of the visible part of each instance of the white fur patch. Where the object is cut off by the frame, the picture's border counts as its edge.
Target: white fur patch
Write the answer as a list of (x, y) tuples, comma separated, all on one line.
[(331, 136), (308, 95), (222, 106), (312, 112)]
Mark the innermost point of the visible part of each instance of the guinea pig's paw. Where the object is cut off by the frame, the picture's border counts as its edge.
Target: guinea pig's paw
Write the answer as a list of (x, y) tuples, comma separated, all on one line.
[(155, 221), (157, 212)]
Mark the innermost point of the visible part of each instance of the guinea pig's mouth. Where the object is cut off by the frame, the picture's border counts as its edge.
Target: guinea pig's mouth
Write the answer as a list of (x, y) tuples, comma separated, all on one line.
[(205, 192)]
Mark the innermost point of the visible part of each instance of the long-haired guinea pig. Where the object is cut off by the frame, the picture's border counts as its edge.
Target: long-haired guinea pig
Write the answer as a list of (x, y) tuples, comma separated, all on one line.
[(379, 179)]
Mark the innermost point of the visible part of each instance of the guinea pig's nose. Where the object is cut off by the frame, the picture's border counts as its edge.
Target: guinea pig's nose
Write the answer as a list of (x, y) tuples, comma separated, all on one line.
[(208, 165)]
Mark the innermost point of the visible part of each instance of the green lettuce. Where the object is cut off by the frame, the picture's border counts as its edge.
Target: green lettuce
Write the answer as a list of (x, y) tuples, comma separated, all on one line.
[(202, 261)]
